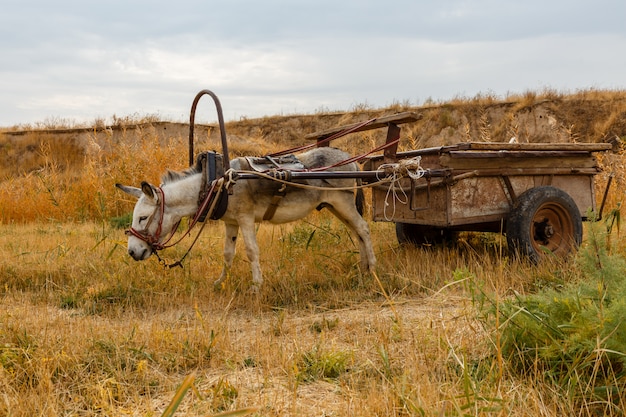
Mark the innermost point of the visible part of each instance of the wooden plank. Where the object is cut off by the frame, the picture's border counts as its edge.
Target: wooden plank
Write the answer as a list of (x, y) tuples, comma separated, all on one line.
[(471, 147), (505, 146), (571, 162), (517, 154), (399, 118)]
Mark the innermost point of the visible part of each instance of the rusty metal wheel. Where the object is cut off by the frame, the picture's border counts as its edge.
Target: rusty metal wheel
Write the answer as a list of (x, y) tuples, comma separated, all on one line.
[(545, 220)]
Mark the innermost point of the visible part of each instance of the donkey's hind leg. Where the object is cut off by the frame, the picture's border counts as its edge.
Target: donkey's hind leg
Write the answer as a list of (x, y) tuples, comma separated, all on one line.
[(248, 232), (230, 240), (345, 210)]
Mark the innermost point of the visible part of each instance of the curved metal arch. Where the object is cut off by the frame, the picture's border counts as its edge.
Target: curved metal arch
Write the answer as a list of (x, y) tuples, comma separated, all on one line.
[(220, 118)]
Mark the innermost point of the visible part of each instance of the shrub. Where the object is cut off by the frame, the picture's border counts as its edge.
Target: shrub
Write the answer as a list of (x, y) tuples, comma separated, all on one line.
[(573, 337)]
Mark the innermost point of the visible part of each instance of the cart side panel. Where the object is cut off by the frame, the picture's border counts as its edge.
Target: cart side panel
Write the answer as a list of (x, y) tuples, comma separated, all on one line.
[(483, 181), (430, 209), (478, 200), (471, 201), (579, 187), (467, 201)]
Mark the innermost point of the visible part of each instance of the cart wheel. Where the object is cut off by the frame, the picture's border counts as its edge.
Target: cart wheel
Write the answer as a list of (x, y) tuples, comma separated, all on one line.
[(417, 234), (544, 220)]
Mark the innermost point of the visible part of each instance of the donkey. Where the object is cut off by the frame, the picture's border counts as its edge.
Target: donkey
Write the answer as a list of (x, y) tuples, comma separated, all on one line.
[(159, 209)]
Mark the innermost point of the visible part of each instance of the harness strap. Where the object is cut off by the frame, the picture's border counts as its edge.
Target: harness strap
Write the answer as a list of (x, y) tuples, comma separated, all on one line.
[(153, 240), (208, 206), (276, 198)]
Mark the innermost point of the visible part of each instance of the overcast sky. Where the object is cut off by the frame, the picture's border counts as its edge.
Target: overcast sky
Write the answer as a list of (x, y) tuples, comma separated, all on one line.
[(82, 60)]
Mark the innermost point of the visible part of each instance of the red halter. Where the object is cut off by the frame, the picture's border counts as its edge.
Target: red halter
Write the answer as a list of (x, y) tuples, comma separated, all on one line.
[(209, 203), (154, 240)]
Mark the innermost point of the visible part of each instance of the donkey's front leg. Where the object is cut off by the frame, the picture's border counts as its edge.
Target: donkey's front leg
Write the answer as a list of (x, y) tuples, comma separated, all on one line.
[(230, 240), (252, 250)]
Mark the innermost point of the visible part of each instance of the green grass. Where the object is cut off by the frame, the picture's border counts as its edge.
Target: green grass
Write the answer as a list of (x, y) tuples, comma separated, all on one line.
[(571, 336)]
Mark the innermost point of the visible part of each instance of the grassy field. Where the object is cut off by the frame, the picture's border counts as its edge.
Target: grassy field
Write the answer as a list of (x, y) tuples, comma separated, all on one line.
[(86, 331)]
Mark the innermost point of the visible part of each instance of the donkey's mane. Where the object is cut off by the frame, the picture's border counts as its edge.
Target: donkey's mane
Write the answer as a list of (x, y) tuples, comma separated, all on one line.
[(174, 176)]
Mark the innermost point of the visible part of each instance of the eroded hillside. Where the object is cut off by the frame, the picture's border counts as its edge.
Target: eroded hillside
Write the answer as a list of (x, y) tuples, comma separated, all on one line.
[(592, 116), (62, 173)]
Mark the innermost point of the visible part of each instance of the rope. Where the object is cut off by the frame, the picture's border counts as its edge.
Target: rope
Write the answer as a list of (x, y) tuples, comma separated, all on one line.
[(404, 168)]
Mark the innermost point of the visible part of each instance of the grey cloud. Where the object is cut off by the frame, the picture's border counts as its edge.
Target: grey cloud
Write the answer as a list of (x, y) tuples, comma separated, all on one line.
[(92, 59)]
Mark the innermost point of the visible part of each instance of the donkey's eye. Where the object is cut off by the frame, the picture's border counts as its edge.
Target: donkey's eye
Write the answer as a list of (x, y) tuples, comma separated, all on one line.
[(142, 218)]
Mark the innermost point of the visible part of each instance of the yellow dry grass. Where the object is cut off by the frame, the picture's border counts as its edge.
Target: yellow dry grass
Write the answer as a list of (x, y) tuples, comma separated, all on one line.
[(86, 331)]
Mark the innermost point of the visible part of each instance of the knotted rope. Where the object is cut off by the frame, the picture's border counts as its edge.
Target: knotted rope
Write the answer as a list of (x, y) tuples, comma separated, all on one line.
[(404, 168)]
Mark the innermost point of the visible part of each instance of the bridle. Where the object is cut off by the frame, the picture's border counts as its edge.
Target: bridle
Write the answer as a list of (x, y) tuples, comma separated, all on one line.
[(209, 203), (154, 240)]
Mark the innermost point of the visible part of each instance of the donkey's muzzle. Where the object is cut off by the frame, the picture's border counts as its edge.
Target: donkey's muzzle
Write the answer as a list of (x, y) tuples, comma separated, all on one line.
[(139, 255)]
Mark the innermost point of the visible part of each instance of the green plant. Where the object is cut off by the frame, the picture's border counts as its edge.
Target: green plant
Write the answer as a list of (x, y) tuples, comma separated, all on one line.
[(121, 222), (319, 363), (572, 337)]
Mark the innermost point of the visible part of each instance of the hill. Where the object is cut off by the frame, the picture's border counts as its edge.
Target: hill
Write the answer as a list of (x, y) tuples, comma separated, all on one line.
[(587, 116), (30, 158)]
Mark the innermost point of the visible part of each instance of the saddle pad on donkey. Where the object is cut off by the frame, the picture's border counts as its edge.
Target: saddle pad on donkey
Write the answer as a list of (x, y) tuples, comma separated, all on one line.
[(265, 163)]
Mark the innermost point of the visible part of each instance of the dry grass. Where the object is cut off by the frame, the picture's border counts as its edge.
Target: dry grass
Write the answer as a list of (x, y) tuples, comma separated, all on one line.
[(84, 330), (70, 176)]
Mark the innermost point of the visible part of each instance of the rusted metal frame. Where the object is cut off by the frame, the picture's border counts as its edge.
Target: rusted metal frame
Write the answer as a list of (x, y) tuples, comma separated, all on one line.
[(393, 138), (465, 148), (516, 154), (377, 123), (508, 189), (220, 118), (326, 140), (516, 172), (412, 195), (503, 146), (495, 218), (604, 197), (445, 174), (312, 175)]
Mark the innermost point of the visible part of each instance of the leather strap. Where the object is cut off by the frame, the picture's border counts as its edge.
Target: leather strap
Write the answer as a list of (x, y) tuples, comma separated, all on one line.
[(276, 198)]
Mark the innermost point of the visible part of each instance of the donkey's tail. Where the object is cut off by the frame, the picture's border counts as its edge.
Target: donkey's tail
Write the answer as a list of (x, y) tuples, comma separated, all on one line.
[(359, 200)]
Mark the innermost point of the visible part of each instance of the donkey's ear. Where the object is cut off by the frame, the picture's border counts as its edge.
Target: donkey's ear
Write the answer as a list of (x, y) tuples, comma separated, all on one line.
[(148, 190), (134, 191)]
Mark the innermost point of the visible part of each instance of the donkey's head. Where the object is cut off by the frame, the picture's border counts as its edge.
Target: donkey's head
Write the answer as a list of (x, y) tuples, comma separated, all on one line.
[(152, 223)]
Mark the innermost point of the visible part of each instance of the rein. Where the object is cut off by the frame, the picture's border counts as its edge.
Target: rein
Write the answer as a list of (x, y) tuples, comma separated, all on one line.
[(209, 202), (153, 240)]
